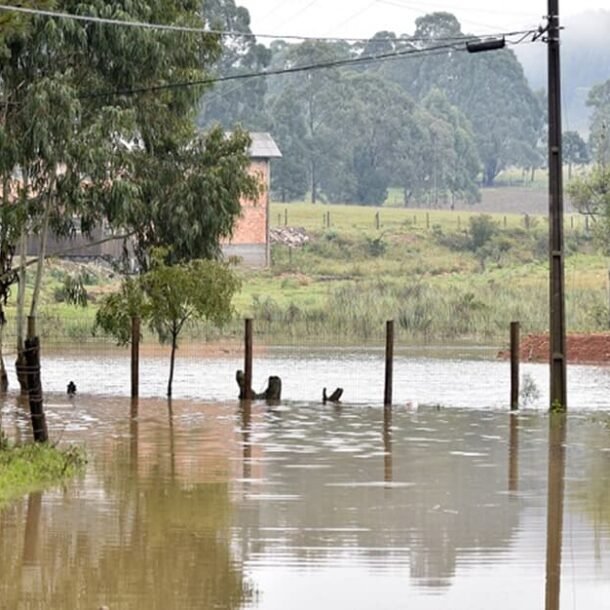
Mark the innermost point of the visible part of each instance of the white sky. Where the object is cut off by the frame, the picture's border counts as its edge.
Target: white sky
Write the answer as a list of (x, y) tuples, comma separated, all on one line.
[(362, 18)]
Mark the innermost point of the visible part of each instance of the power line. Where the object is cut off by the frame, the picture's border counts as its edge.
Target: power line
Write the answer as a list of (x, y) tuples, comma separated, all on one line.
[(338, 63), (212, 32)]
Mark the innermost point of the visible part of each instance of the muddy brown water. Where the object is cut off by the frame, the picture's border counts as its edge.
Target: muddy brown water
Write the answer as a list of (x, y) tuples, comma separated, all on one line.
[(213, 504)]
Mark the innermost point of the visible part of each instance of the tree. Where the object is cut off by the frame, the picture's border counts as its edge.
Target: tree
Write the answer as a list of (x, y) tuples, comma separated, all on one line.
[(490, 89), (101, 155), (186, 199), (575, 150), (599, 138), (590, 195), (167, 298), (455, 163), (312, 97), (242, 102)]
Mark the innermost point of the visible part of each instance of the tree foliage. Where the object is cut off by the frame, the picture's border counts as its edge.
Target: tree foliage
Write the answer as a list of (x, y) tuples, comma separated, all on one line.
[(599, 138), (167, 297), (590, 195)]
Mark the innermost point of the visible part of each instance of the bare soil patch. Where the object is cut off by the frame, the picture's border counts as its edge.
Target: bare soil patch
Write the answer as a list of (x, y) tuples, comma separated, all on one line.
[(591, 348)]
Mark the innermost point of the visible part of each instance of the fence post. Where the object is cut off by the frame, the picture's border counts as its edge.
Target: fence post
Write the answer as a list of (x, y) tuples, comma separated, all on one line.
[(389, 362), (377, 221), (248, 359), (514, 366), (32, 360), (285, 217), (427, 220), (135, 356)]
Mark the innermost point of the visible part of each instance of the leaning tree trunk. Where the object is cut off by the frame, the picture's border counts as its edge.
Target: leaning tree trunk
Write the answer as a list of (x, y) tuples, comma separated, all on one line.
[(40, 265), (20, 365), (3, 374), (172, 361)]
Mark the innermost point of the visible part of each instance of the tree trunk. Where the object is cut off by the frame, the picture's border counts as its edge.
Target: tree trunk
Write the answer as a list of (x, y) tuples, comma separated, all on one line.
[(20, 365), (3, 375), (171, 364), (41, 256)]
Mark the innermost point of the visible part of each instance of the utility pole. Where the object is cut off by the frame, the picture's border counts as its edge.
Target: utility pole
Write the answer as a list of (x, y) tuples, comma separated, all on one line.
[(558, 392)]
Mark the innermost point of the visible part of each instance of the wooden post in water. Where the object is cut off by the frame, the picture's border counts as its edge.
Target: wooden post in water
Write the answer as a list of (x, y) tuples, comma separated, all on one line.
[(514, 366), (248, 359), (389, 362), (135, 356), (32, 360)]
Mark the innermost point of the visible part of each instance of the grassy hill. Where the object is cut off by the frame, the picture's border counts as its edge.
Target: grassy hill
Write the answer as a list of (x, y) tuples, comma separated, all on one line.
[(442, 275)]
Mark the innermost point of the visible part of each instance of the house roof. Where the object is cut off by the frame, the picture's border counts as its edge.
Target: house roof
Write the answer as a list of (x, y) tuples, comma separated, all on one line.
[(263, 146)]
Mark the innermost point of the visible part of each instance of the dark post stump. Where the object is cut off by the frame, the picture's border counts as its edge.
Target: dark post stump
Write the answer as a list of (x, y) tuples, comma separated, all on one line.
[(32, 359), (135, 356), (248, 359), (274, 388), (389, 362), (514, 366)]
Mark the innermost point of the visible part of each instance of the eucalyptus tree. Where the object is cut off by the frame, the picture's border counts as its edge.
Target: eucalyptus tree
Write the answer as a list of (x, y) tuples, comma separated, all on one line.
[(119, 144), (599, 137), (575, 151), (167, 298), (490, 89), (454, 163), (241, 102), (313, 96)]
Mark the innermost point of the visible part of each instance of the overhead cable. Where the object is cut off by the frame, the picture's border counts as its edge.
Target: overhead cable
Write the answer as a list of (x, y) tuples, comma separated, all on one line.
[(224, 33)]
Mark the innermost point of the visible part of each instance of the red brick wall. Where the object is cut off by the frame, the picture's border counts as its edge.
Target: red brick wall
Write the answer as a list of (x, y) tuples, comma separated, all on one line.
[(251, 228)]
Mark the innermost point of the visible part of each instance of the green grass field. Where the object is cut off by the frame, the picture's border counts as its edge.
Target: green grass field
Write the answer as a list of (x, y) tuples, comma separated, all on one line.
[(420, 267)]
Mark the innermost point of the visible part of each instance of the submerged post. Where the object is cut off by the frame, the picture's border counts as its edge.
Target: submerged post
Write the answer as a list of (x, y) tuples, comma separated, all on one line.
[(389, 362), (248, 359), (32, 360), (135, 356), (557, 326), (514, 366)]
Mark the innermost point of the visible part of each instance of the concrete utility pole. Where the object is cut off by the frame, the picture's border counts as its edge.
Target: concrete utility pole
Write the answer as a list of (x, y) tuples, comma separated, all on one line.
[(558, 393)]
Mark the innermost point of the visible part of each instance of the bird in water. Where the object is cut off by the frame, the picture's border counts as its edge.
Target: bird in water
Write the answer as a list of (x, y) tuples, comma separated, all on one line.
[(71, 389), (334, 397)]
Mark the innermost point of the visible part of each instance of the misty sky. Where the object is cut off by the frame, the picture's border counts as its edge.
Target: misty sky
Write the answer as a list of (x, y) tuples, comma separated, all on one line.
[(362, 18)]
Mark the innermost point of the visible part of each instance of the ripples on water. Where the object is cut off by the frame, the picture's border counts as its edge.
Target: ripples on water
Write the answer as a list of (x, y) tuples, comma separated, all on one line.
[(462, 377), (301, 506)]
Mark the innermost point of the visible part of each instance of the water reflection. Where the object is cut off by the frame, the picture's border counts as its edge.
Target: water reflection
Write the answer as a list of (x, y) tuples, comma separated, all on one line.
[(513, 453), (387, 444), (554, 528), (238, 505)]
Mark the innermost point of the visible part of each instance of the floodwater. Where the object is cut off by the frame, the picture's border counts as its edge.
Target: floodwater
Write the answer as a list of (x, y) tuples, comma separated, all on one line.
[(451, 376), (217, 504)]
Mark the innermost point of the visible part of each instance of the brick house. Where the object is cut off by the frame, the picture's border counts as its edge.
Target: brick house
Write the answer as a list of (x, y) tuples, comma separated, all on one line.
[(250, 240)]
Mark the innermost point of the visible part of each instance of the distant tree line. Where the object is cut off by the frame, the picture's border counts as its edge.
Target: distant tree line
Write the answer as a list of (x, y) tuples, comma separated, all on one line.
[(435, 125)]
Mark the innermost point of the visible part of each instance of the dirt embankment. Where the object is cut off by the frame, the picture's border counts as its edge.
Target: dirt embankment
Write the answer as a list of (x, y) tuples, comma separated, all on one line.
[(584, 348)]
